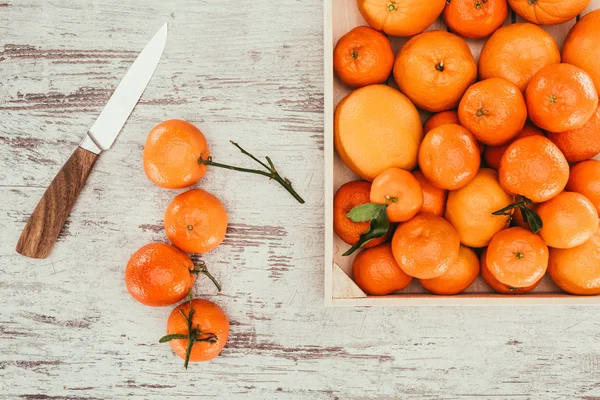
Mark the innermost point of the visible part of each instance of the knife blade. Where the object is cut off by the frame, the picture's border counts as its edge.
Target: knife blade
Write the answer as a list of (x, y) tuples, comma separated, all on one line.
[(46, 221)]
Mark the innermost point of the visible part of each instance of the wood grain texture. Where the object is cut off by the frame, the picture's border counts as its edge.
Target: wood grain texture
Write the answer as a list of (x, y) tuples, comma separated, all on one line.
[(47, 220), (253, 73)]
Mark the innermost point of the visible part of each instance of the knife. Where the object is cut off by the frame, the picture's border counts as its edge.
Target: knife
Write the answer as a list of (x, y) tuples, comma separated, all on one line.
[(54, 207)]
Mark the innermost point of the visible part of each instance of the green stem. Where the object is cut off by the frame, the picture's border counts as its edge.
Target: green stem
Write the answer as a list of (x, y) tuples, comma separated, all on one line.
[(203, 269), (529, 216), (271, 171), (519, 204)]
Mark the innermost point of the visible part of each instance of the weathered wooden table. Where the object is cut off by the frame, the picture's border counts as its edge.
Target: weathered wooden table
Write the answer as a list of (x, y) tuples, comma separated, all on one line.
[(250, 71)]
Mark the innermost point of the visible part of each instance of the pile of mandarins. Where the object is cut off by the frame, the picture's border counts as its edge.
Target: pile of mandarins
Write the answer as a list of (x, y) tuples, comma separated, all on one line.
[(505, 185)]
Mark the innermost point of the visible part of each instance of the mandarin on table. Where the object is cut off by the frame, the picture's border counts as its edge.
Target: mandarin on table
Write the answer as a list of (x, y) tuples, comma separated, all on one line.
[(517, 257), (196, 221), (535, 168), (376, 271), (434, 199), (561, 97), (577, 270), (439, 119), (493, 110), (585, 179), (582, 143), (458, 278), (400, 17), (569, 219), (212, 322), (363, 57), (433, 69), (475, 19), (400, 190), (493, 154), (449, 157), (548, 12), (470, 209), (582, 44), (348, 196), (425, 246), (498, 286), (516, 53), (171, 154), (376, 128)]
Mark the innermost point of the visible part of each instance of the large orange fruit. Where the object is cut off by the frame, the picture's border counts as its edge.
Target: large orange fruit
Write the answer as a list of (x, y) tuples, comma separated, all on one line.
[(434, 199), (580, 144), (470, 209), (376, 271), (449, 157), (376, 128), (494, 110), (460, 275), (577, 270), (517, 257), (434, 69), (548, 12), (400, 17), (516, 53), (498, 286), (569, 219), (426, 246), (585, 179), (196, 221), (493, 154), (561, 97), (210, 327), (582, 44), (401, 191), (348, 196), (475, 19), (171, 154), (439, 119), (535, 168), (363, 57)]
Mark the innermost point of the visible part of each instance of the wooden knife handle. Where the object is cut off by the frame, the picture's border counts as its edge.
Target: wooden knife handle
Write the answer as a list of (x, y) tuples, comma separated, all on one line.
[(54, 207)]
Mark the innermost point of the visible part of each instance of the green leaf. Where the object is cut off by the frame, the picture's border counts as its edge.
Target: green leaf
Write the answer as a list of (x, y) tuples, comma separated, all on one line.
[(378, 228), (168, 338), (365, 212), (534, 220)]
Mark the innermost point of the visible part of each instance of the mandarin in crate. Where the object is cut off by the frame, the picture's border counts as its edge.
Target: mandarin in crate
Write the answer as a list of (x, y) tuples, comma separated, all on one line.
[(449, 157), (493, 154), (425, 246), (582, 44), (348, 196), (494, 110), (498, 286), (585, 179), (171, 154), (535, 168), (475, 19), (577, 270), (439, 119), (517, 257), (376, 128), (516, 53), (434, 69), (434, 199), (458, 278), (582, 143), (376, 271), (561, 97), (470, 209), (569, 219), (548, 12), (400, 17), (401, 191), (363, 57)]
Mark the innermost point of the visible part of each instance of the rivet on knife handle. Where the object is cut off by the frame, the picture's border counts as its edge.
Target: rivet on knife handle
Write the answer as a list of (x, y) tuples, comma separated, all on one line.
[(54, 207)]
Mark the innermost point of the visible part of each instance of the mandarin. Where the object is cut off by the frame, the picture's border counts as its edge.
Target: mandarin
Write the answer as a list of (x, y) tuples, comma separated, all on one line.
[(475, 19), (439, 119), (493, 154), (400, 17), (434, 199), (582, 143), (460, 275), (377, 273), (585, 179), (548, 12), (582, 44), (498, 286), (400, 191)]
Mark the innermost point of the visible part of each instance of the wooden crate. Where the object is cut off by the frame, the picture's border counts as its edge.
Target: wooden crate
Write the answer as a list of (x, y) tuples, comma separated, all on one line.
[(340, 289)]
